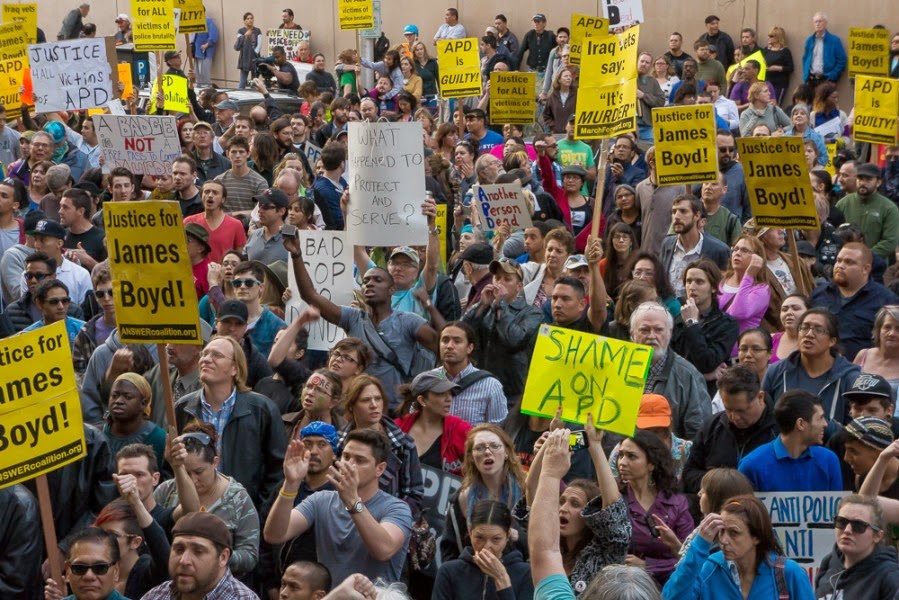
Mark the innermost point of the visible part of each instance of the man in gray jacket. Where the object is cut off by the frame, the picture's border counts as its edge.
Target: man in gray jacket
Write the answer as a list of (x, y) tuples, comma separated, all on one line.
[(72, 24)]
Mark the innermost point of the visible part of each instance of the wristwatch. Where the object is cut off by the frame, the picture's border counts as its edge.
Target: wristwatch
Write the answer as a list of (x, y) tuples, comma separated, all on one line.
[(690, 322), (356, 508)]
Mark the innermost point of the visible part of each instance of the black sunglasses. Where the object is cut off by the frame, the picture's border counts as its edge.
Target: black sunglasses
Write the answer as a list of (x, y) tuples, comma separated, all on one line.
[(197, 437), (38, 276), (856, 525), (100, 294), (59, 300), (239, 283), (98, 568)]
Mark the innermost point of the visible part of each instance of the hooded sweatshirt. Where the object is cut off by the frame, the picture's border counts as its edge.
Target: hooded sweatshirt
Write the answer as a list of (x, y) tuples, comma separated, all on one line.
[(461, 579), (870, 579)]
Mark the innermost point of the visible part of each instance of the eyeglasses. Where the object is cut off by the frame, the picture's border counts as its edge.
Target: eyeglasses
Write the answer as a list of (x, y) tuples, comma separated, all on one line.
[(98, 568), (752, 349), (100, 294), (214, 355), (248, 283), (482, 448), (37, 276), (344, 357), (741, 250), (58, 300), (816, 329), (856, 525)]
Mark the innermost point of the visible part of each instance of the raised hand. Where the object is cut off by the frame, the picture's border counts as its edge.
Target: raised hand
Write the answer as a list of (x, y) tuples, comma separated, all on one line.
[(296, 464)]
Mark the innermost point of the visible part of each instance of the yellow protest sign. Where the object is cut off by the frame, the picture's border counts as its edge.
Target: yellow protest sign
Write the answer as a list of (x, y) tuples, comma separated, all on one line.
[(512, 97), (584, 26), (125, 77), (607, 96), (460, 68), (152, 279), (585, 373), (832, 149), (192, 18), (153, 23), (869, 52), (13, 60), (442, 228), (355, 14), (780, 192), (175, 89), (40, 410), (685, 142), (876, 107), (27, 13)]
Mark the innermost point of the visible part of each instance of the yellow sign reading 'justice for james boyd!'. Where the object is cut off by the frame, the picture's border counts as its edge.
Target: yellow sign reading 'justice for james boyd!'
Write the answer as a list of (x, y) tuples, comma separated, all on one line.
[(686, 149), (40, 411), (153, 25), (460, 68), (152, 279), (585, 373)]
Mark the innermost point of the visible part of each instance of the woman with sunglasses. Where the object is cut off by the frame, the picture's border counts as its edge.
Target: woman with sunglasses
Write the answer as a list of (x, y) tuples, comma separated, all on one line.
[(861, 566), (748, 546), (222, 496)]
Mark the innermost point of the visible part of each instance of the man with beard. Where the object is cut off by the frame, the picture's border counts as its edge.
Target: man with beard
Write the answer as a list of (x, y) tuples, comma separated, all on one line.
[(689, 243), (339, 109), (875, 214), (736, 197), (649, 96), (184, 177), (225, 232), (690, 72)]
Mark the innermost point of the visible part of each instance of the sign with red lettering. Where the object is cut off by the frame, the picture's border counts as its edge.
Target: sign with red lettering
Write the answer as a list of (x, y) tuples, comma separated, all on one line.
[(144, 144)]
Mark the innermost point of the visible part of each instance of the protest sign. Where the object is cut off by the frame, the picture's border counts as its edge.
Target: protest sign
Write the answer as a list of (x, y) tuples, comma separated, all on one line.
[(144, 144), (27, 14), (585, 373), (584, 26), (442, 222), (869, 52), (329, 262), (373, 32), (503, 203), (876, 107), (191, 17), (623, 13), (686, 150), (387, 185), (607, 99), (313, 153), (152, 278), (460, 68), (175, 89), (289, 39), (780, 191), (125, 77), (803, 524), (13, 61), (439, 487), (70, 75), (355, 14), (153, 25), (40, 411), (512, 97)]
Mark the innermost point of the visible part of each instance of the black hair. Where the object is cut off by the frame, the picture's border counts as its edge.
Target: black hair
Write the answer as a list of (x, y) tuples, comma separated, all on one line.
[(97, 536), (575, 283), (490, 512), (377, 441), (43, 288), (315, 574), (38, 256), (794, 405), (740, 378)]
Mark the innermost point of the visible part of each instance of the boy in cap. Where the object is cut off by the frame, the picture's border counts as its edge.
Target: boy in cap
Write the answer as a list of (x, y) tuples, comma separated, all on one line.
[(866, 439)]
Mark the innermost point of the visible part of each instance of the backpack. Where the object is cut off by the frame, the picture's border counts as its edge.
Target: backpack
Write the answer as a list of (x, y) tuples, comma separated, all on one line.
[(422, 358)]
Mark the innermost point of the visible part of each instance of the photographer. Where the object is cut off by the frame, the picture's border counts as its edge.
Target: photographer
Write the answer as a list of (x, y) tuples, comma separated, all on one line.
[(281, 70)]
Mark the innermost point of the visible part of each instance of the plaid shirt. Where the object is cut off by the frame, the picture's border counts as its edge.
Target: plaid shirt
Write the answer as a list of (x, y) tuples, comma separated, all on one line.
[(481, 402), (227, 588), (218, 419)]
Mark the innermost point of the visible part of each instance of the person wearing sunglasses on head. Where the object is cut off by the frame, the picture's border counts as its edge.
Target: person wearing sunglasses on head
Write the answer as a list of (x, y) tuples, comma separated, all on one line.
[(52, 298), (91, 568)]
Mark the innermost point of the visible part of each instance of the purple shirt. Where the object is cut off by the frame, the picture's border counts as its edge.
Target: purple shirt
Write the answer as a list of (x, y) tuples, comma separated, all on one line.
[(740, 93), (675, 511)]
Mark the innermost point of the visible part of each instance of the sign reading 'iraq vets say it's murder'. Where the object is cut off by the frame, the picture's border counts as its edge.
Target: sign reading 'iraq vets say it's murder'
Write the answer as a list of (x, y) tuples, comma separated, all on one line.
[(153, 25), (780, 192), (460, 68), (869, 52), (585, 373), (40, 411), (512, 98), (144, 144), (607, 96), (70, 75), (685, 141), (876, 109), (152, 278)]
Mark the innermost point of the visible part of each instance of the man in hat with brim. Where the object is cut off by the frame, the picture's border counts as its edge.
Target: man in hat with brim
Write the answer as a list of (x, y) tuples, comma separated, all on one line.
[(198, 249)]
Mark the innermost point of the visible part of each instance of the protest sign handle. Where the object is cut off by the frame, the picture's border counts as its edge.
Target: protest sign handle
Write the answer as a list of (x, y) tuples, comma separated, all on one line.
[(600, 188), (804, 286), (49, 527), (190, 56), (166, 386)]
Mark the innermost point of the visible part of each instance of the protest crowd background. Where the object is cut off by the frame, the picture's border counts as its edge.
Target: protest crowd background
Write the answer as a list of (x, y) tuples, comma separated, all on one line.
[(348, 301)]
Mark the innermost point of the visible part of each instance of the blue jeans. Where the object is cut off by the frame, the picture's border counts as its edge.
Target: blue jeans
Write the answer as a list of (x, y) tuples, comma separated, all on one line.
[(644, 133)]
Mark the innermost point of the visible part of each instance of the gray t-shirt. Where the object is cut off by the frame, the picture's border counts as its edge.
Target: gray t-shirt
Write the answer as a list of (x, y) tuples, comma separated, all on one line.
[(340, 547), (398, 331), (10, 151)]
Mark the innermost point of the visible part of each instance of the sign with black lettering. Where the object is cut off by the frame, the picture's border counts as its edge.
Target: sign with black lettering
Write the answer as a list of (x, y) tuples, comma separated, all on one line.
[(70, 75), (780, 192), (141, 143), (685, 144)]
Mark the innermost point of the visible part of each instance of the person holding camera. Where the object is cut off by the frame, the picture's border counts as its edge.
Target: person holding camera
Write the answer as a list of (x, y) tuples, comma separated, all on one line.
[(281, 69)]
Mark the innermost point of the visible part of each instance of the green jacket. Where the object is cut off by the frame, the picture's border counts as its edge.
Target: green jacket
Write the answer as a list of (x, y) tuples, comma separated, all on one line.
[(878, 219)]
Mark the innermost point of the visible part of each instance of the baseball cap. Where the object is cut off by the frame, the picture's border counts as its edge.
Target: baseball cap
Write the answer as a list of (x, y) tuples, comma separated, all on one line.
[(198, 232), (478, 253), (205, 525), (868, 170), (227, 105), (171, 54), (576, 261), (50, 228), (575, 170), (870, 431), (539, 17), (203, 125), (57, 130), (868, 385), (432, 381), (273, 196), (410, 29), (406, 251), (233, 309), (122, 17), (32, 219), (491, 30), (654, 412), (320, 429), (507, 265)]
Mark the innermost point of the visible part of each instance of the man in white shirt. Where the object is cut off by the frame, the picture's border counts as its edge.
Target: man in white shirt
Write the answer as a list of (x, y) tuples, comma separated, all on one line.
[(451, 29), (49, 237), (724, 106)]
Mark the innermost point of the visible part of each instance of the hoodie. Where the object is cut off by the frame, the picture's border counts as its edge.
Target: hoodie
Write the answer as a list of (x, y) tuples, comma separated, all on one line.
[(870, 579), (462, 579)]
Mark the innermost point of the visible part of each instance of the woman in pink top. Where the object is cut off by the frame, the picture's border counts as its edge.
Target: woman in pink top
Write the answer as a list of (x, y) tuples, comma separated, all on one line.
[(744, 291)]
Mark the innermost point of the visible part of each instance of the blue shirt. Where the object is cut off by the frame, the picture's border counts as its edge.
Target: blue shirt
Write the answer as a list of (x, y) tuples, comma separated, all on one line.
[(73, 326), (486, 143), (218, 418), (553, 587), (262, 331), (770, 468)]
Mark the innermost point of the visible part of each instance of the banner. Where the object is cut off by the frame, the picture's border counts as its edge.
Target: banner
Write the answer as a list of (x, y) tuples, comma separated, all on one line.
[(803, 524), (27, 13), (153, 25), (125, 77), (13, 61), (329, 262), (607, 98), (585, 373), (355, 14), (512, 97), (175, 89), (144, 144), (584, 26), (876, 107), (503, 203), (192, 16), (152, 278), (780, 192), (387, 185), (70, 75), (313, 153), (442, 227), (460, 68), (685, 140), (40, 410), (623, 13), (439, 487), (289, 39), (869, 52)]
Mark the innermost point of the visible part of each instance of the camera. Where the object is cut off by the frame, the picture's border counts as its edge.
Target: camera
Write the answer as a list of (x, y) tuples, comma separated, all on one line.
[(262, 71)]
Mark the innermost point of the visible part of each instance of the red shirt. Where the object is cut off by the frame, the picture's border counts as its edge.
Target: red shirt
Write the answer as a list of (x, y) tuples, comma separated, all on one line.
[(227, 236)]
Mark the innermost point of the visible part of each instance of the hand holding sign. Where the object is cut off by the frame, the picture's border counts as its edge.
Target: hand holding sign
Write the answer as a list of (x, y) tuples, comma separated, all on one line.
[(556, 455)]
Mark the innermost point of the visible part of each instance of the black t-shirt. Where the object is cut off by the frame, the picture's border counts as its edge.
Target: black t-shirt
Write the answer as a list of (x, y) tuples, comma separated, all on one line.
[(294, 84), (91, 240), (431, 458), (324, 81)]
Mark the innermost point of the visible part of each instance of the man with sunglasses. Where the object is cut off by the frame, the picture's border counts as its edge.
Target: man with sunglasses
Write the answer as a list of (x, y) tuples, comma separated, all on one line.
[(49, 237), (24, 312), (736, 198), (92, 567), (264, 244), (52, 298), (262, 323)]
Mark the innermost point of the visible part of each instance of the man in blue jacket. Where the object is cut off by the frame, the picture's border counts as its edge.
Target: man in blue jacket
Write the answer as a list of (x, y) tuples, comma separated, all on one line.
[(204, 44), (823, 58)]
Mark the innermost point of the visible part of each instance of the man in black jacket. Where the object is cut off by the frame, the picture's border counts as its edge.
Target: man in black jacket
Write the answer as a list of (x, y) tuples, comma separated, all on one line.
[(21, 544), (24, 312), (746, 423)]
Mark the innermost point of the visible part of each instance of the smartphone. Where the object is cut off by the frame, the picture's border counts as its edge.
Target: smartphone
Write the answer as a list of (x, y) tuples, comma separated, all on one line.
[(466, 206), (578, 441), (653, 530), (288, 229)]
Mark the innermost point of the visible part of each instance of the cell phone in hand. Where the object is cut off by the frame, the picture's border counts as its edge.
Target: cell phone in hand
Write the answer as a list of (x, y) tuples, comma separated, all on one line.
[(577, 441), (288, 229)]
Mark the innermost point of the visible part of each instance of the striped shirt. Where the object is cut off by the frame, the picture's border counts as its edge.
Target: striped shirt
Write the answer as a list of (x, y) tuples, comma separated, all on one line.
[(227, 588), (481, 402), (241, 189)]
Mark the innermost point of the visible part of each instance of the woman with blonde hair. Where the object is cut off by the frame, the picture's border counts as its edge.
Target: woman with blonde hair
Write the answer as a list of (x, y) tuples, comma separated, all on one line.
[(426, 68), (779, 62), (412, 82), (762, 110)]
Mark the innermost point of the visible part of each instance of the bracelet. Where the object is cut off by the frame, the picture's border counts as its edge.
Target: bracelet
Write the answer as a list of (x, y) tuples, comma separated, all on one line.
[(434, 231), (281, 492)]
